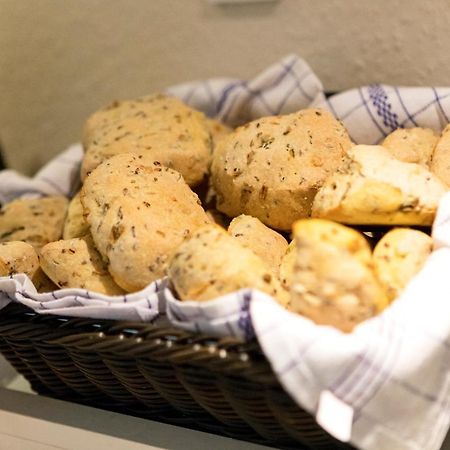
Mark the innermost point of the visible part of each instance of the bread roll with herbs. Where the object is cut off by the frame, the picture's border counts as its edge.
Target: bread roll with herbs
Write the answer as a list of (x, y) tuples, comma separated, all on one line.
[(36, 221), (287, 265), (399, 256), (440, 161), (271, 168), (333, 282), (138, 216), (156, 128), (75, 263), (266, 243), (413, 145), (18, 257), (211, 263), (75, 224), (375, 188)]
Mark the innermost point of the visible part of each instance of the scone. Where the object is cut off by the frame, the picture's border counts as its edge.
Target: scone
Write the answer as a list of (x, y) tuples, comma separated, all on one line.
[(375, 188), (138, 215), (399, 256), (333, 282), (211, 263), (440, 161), (18, 257), (266, 243), (271, 168), (75, 263), (36, 221), (156, 128), (75, 224), (413, 145)]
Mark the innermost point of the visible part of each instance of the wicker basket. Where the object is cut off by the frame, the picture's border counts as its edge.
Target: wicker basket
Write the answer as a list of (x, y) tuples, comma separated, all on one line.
[(222, 386)]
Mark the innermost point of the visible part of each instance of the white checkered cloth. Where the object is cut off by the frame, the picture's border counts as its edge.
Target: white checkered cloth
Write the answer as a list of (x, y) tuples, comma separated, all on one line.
[(384, 386)]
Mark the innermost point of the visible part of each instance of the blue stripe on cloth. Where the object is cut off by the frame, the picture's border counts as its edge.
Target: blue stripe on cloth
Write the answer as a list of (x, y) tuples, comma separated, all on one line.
[(424, 108), (411, 118), (370, 112), (438, 100)]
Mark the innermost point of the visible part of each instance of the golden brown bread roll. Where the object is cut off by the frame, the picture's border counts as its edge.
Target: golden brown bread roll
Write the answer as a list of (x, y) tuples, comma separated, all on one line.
[(266, 243), (413, 145), (211, 263), (138, 215), (75, 224), (157, 128), (375, 188), (333, 282), (440, 161), (18, 257), (271, 168), (398, 256)]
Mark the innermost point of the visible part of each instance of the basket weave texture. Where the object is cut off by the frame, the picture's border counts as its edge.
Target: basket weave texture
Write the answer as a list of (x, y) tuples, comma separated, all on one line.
[(222, 386)]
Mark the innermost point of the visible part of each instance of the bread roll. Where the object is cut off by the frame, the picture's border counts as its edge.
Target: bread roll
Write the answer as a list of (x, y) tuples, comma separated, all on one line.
[(413, 145), (375, 188), (75, 224), (211, 263), (18, 257), (272, 167), (333, 282), (157, 128), (399, 256), (440, 161), (138, 216)]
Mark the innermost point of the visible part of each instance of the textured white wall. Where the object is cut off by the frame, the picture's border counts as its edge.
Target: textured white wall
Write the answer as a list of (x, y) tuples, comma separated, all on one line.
[(61, 59)]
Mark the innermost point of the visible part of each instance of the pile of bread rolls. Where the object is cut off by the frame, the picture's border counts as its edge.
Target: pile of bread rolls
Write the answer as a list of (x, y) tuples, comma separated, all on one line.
[(169, 192)]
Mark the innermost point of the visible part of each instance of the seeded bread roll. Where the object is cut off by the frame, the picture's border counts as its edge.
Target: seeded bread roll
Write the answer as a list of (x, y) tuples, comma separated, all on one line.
[(413, 145), (158, 128), (375, 188), (35, 221), (75, 263), (287, 266), (75, 224), (218, 130), (18, 257), (440, 161), (138, 216), (399, 256), (211, 263), (269, 245), (272, 167), (333, 283)]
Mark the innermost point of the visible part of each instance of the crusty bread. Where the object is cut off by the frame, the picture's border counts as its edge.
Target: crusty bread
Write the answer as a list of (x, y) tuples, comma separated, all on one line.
[(266, 243), (375, 188), (138, 215), (75, 224), (36, 221), (413, 145), (271, 168), (157, 128), (440, 161), (398, 256), (18, 257), (75, 263), (333, 282), (211, 263)]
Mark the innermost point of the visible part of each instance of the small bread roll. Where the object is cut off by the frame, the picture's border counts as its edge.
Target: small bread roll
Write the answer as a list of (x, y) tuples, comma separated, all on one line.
[(287, 266), (18, 257), (211, 263), (75, 224), (138, 216), (399, 256), (42, 282), (413, 145), (36, 221), (75, 263), (375, 188), (271, 168), (155, 128), (333, 282), (440, 161), (264, 242), (218, 130)]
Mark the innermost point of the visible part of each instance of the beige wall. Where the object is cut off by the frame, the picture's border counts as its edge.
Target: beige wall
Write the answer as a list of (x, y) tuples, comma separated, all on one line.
[(61, 59)]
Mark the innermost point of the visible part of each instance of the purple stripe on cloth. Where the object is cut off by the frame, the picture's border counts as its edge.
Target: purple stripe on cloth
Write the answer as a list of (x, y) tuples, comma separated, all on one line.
[(411, 118), (423, 109), (370, 112), (298, 81), (438, 100)]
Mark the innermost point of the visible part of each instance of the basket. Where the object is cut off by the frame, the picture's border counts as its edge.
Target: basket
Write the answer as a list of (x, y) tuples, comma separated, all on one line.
[(223, 386)]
